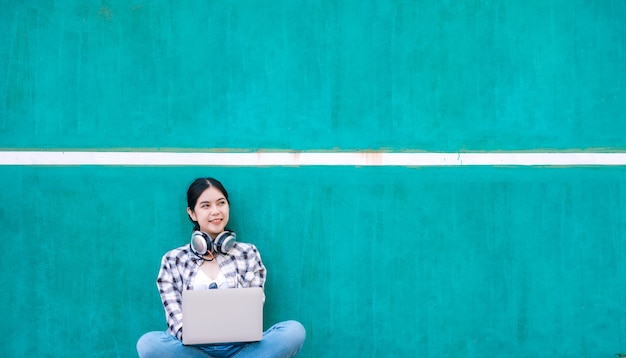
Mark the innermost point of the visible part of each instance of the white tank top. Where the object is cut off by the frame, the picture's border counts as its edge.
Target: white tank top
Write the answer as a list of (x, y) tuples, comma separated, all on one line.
[(204, 282)]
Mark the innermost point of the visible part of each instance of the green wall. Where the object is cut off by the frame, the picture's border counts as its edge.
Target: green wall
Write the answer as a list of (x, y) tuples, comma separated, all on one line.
[(374, 261), (425, 75), (379, 262)]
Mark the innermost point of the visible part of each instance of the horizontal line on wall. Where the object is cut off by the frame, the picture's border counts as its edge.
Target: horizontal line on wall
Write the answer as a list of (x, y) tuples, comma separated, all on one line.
[(262, 159)]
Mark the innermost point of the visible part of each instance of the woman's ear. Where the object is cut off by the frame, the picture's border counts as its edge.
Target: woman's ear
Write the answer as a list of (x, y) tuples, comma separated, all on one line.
[(191, 214)]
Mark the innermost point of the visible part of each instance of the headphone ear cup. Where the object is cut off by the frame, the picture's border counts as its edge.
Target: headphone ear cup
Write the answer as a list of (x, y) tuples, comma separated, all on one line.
[(200, 243), (225, 241)]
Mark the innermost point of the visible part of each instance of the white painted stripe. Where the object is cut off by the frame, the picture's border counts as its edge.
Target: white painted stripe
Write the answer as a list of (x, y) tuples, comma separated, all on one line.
[(254, 159)]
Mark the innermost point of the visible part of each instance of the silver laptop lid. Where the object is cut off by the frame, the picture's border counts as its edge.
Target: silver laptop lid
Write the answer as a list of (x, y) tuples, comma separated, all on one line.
[(222, 315)]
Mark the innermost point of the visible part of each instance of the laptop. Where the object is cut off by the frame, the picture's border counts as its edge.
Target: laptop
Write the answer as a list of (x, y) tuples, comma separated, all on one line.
[(223, 315)]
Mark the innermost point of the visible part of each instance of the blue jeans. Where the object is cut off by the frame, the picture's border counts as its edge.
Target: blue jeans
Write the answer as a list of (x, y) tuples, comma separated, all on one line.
[(282, 340)]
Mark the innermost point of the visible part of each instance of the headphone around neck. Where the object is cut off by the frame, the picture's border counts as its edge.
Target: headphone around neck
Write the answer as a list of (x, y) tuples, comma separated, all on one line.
[(201, 242)]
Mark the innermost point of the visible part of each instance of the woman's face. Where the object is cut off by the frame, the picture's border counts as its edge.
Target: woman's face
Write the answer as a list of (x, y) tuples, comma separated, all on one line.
[(211, 211)]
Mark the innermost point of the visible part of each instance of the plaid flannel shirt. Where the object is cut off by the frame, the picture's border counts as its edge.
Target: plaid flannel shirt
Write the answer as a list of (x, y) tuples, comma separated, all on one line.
[(242, 267)]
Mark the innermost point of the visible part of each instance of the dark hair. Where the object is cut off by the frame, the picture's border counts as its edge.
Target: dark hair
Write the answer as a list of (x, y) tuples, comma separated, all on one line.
[(197, 188)]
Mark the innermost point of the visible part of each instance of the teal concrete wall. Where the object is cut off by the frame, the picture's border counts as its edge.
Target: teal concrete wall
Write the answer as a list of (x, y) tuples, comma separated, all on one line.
[(374, 261), (425, 75)]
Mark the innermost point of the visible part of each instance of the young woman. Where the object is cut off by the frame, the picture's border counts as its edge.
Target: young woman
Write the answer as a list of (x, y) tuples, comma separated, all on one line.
[(204, 264)]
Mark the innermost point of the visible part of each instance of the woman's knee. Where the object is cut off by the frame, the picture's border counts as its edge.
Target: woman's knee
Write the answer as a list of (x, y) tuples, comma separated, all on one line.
[(143, 344), (295, 330), (151, 344)]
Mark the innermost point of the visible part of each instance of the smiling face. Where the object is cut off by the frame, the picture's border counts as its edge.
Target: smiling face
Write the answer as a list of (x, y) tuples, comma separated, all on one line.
[(211, 211)]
